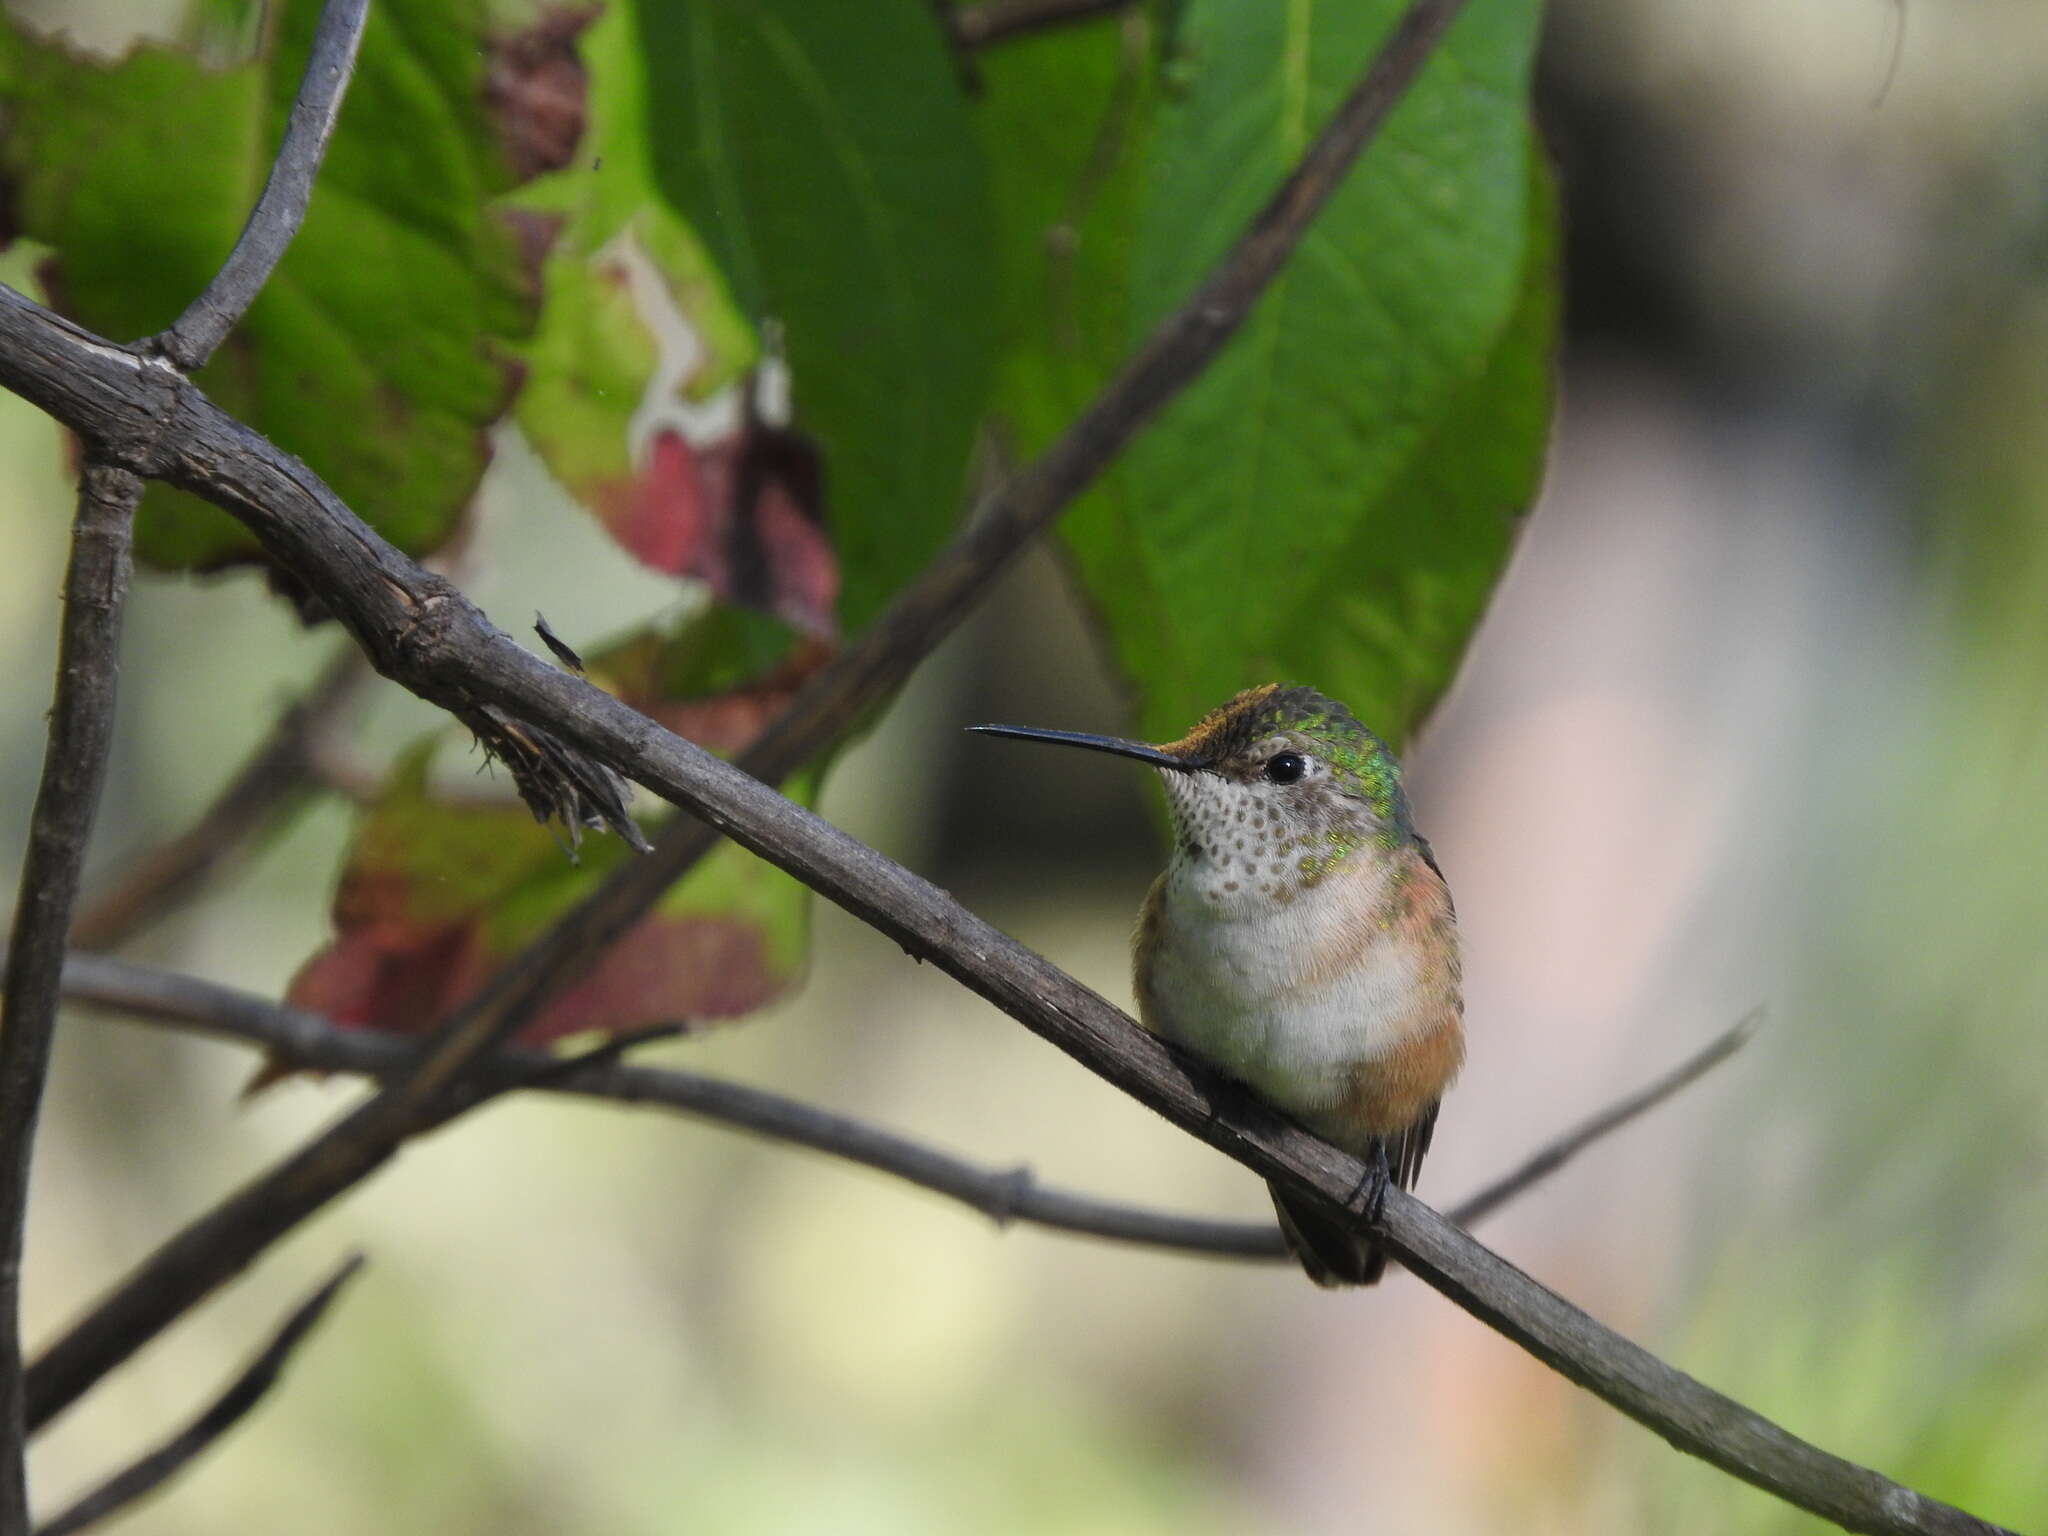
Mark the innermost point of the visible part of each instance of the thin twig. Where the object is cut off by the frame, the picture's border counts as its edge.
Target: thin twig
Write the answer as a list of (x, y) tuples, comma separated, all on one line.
[(279, 775), (997, 21), (74, 769), (313, 1043), (1555, 1154), (143, 1477), (282, 208), (81, 723)]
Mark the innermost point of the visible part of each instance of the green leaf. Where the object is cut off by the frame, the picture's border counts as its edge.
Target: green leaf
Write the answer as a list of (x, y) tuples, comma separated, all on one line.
[(377, 351), (1331, 502), (824, 153), (1387, 618)]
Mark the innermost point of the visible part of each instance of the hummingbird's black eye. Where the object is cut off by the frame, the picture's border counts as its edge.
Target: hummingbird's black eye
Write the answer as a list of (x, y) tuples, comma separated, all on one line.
[(1286, 767)]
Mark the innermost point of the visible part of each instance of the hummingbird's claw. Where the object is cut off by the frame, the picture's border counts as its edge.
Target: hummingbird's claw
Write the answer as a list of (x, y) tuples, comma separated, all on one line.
[(1379, 1178)]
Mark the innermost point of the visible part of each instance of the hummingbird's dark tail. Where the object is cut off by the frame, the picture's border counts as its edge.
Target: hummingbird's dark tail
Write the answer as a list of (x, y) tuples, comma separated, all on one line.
[(1332, 1253)]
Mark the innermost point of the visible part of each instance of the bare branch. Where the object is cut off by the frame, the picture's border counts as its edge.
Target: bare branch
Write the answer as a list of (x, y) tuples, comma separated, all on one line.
[(279, 774), (997, 21), (1005, 1194), (282, 208), (142, 1478), (74, 768)]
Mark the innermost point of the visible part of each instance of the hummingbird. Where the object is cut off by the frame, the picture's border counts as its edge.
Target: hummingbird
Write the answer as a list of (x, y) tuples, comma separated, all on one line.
[(1301, 939)]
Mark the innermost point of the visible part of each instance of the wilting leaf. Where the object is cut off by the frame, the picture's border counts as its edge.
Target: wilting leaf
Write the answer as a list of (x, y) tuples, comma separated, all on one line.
[(441, 888), (379, 350), (640, 355), (824, 153)]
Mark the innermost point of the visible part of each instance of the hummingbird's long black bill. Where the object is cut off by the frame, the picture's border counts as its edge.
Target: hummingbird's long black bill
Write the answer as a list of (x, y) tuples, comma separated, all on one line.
[(1111, 744)]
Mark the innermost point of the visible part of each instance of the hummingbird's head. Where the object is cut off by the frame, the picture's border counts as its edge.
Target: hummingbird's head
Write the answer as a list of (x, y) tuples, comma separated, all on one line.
[(1275, 789)]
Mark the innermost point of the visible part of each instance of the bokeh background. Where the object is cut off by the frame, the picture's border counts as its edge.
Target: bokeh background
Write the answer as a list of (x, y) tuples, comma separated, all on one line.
[(1759, 717)]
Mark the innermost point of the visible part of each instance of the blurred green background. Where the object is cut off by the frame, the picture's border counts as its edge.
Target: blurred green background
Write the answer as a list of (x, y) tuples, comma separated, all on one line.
[(1760, 716)]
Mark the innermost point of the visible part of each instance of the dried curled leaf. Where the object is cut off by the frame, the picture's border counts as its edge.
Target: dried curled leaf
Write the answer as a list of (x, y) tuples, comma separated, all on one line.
[(559, 783)]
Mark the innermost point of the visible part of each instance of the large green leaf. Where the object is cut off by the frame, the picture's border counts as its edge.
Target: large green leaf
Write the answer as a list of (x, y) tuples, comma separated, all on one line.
[(1332, 500), (824, 153), (375, 351)]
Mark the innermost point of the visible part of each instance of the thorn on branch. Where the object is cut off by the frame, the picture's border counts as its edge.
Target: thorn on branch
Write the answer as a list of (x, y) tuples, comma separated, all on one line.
[(995, 21), (561, 648), (1012, 1193)]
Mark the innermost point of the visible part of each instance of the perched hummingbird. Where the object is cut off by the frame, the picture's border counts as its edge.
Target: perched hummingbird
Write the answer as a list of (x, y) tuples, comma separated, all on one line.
[(1302, 938)]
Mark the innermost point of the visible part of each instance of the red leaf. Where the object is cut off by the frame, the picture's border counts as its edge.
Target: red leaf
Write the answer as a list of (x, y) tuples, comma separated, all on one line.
[(743, 515)]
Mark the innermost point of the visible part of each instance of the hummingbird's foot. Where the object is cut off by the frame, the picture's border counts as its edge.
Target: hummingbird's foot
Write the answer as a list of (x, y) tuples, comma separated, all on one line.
[(1373, 1187), (1382, 1176)]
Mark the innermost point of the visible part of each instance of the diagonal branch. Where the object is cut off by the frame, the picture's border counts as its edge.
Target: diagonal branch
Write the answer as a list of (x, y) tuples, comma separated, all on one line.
[(144, 1476), (74, 769), (273, 222), (1005, 1194), (1555, 1154), (278, 776), (930, 925)]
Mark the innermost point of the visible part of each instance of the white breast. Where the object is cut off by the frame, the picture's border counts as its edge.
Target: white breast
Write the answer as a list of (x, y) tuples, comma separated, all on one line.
[(1238, 982)]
